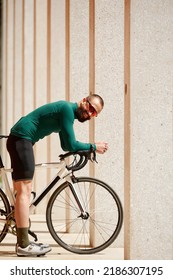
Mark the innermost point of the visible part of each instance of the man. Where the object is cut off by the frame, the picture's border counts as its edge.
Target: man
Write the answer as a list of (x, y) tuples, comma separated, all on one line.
[(55, 117)]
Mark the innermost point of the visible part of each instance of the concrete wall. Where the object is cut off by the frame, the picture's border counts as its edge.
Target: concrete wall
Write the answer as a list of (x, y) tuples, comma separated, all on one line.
[(151, 189), (56, 50), (121, 50)]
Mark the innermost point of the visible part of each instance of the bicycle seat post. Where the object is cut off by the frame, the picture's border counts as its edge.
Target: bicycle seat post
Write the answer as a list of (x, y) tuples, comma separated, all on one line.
[(1, 163)]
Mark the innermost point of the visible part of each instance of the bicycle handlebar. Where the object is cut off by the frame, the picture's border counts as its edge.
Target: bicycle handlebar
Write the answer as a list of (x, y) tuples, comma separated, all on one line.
[(84, 156)]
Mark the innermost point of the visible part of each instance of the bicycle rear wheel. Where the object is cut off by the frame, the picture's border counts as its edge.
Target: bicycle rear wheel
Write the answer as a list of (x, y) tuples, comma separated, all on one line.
[(89, 233), (4, 212)]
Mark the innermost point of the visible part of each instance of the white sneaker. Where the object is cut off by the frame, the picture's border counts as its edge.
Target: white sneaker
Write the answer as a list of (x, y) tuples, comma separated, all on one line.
[(40, 244), (33, 249)]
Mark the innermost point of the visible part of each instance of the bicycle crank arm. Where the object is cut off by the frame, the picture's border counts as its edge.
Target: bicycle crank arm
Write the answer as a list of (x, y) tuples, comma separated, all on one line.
[(33, 235)]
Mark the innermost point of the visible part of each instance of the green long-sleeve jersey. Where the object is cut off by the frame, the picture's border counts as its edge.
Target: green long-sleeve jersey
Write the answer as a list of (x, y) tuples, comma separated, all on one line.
[(55, 117)]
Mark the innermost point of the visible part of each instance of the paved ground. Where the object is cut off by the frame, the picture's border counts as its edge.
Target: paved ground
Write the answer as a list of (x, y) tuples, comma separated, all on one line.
[(38, 225)]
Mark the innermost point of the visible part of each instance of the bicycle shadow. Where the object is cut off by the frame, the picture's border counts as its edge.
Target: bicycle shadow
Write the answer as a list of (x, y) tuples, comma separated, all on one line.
[(7, 250), (10, 253), (6, 254)]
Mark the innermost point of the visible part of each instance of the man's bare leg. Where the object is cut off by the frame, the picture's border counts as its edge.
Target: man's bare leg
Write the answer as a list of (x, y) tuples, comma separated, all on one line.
[(23, 193)]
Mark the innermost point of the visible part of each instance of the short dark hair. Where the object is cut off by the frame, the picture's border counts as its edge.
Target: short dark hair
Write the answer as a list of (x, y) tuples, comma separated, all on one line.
[(93, 96)]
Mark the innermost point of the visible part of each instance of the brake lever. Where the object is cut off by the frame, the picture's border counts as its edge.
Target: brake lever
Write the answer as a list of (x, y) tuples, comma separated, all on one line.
[(93, 158)]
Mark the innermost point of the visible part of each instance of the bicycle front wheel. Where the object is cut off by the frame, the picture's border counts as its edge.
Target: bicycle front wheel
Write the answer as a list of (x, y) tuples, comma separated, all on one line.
[(89, 233), (4, 212)]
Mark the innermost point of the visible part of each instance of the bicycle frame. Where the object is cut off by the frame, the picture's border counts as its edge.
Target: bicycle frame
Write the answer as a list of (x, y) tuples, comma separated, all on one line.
[(3, 174), (63, 174)]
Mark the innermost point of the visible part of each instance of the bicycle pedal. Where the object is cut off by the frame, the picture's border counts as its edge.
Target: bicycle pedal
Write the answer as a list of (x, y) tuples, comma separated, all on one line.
[(33, 235)]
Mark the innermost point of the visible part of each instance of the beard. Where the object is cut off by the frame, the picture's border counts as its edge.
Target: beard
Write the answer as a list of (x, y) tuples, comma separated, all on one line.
[(82, 115)]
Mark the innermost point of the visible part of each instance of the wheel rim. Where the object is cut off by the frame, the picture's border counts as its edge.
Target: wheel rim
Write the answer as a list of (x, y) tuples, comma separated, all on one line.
[(4, 212), (89, 232)]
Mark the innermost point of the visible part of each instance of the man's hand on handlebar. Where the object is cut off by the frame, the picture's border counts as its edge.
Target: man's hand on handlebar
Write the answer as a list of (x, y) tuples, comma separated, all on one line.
[(101, 147)]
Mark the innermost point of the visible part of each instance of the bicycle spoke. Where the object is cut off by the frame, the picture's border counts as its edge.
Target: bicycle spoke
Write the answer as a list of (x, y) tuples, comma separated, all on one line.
[(67, 204), (101, 228), (81, 235), (65, 224), (92, 230)]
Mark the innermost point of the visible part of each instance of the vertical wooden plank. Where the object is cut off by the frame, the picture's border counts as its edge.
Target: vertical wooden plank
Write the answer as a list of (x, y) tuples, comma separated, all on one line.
[(10, 65), (9, 61), (4, 76), (48, 76), (28, 57), (92, 91), (48, 50), (23, 58), (34, 51), (18, 59), (67, 79), (6, 64), (92, 72), (127, 149), (1, 52), (92, 46), (67, 49), (14, 52)]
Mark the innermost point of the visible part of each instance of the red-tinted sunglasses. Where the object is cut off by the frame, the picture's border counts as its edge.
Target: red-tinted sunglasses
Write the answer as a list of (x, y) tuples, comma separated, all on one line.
[(92, 110)]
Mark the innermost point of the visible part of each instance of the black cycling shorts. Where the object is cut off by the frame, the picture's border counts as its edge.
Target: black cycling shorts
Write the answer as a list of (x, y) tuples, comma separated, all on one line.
[(22, 158)]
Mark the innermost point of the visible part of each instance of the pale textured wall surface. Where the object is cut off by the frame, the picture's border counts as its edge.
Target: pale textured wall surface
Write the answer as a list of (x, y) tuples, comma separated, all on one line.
[(79, 61), (151, 130), (109, 84), (35, 72)]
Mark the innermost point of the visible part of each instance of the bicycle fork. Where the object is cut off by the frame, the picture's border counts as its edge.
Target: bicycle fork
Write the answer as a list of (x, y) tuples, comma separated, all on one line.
[(83, 214)]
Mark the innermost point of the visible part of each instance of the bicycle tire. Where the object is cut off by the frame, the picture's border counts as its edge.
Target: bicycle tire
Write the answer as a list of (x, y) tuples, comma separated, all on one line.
[(74, 233), (4, 212)]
